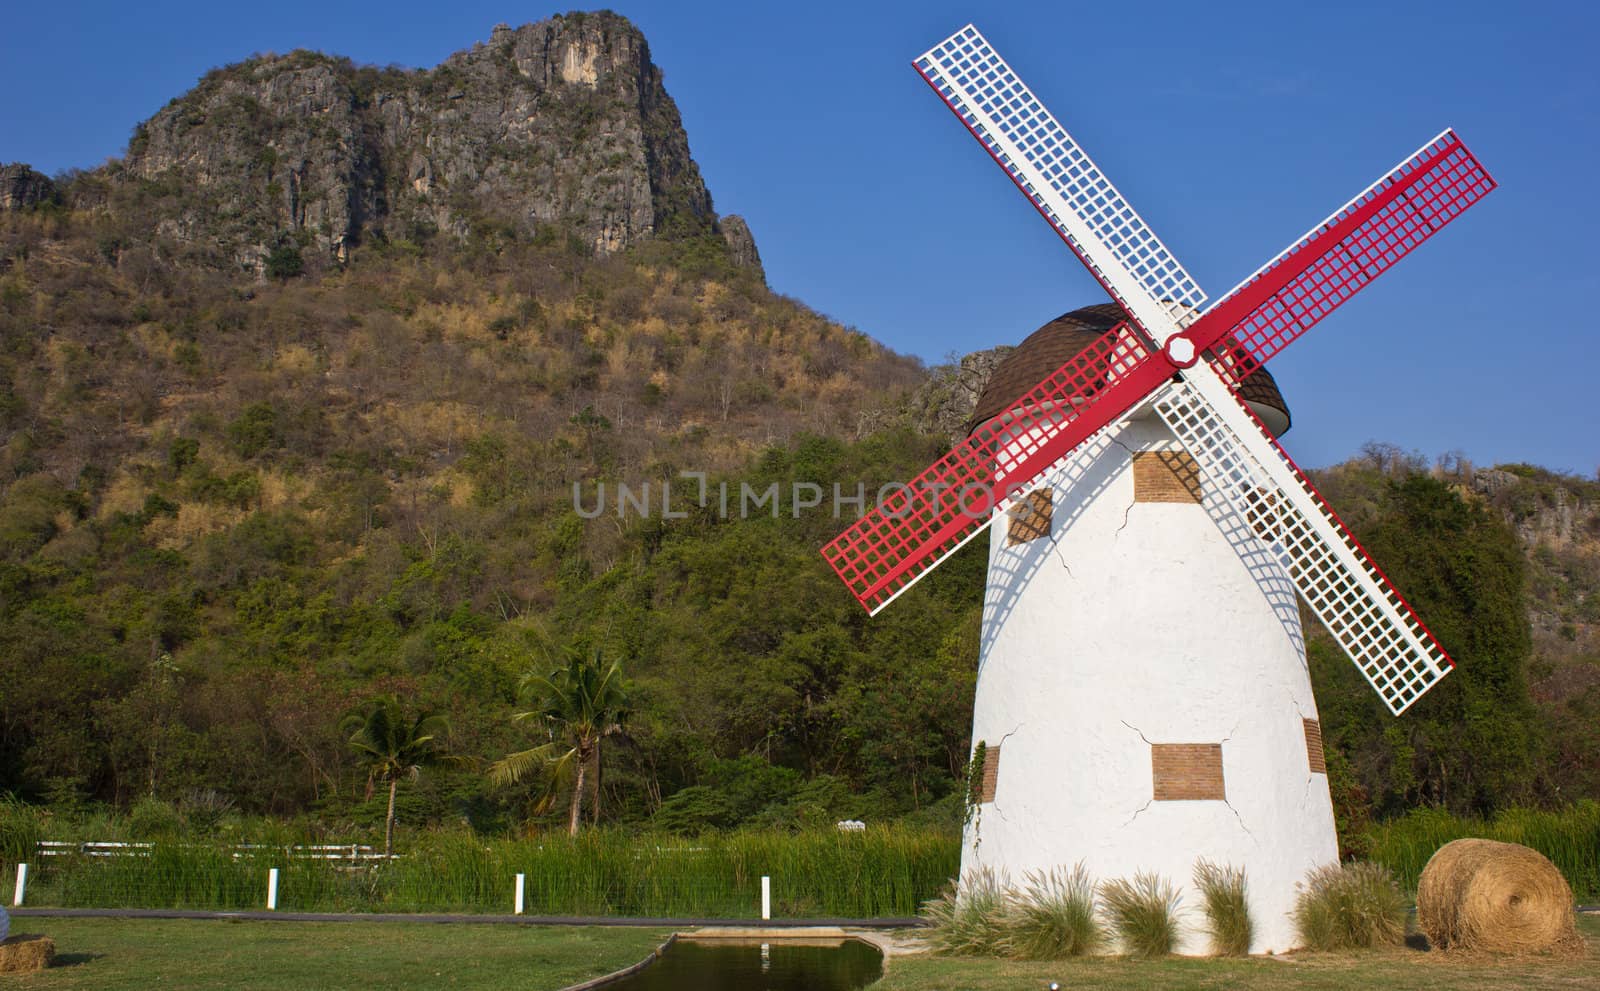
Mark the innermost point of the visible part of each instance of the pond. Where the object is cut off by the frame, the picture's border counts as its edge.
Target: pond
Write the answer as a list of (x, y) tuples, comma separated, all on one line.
[(741, 965)]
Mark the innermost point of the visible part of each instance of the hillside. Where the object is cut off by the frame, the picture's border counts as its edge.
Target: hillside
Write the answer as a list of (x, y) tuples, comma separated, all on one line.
[(309, 398)]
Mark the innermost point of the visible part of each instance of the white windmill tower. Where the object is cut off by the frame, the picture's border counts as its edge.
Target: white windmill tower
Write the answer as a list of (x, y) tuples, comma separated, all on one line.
[(1143, 700)]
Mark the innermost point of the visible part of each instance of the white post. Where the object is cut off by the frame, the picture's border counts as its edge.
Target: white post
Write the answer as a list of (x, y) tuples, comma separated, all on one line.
[(766, 897), (272, 889), (22, 885), (521, 881)]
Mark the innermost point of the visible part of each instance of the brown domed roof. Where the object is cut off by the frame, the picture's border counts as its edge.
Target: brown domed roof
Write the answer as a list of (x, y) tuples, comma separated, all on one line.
[(1052, 345)]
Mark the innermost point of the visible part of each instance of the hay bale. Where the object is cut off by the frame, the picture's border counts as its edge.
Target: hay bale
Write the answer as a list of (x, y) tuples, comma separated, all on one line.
[(1497, 897), (22, 954)]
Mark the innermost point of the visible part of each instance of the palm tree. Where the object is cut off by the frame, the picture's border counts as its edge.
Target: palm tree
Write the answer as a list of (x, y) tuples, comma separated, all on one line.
[(577, 706), (392, 747)]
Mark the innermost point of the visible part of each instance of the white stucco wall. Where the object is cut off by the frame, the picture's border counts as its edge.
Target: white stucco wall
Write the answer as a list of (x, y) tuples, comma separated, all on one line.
[(1138, 623)]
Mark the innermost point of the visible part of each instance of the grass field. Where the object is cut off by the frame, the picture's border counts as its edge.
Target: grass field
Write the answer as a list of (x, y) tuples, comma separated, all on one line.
[(115, 954), (1402, 969), (194, 955)]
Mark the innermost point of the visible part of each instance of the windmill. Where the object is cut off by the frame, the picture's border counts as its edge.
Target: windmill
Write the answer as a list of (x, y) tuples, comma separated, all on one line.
[(1143, 700)]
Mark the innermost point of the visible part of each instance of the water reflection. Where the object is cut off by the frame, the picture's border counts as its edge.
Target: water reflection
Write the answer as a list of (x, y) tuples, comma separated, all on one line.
[(739, 965)]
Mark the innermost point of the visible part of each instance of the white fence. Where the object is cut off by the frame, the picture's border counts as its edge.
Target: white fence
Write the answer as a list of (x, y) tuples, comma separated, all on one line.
[(346, 853)]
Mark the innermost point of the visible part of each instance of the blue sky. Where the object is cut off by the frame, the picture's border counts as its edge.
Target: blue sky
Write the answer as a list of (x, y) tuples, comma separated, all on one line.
[(1231, 127)]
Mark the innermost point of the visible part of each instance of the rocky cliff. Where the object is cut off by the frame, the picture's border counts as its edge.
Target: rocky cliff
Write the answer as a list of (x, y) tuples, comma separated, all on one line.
[(556, 129), (22, 187), (946, 400)]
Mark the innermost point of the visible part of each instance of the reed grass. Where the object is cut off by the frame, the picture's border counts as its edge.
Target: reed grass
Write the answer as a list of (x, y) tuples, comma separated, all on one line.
[(1350, 906), (1228, 922), (1143, 913), (884, 871), (1054, 917), (1569, 837)]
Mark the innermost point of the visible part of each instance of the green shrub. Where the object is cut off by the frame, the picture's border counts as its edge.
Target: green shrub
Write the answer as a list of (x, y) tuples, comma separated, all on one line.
[(151, 818), (970, 919), (284, 262), (1350, 906), (1143, 913), (1227, 910), (255, 429), (1054, 917)]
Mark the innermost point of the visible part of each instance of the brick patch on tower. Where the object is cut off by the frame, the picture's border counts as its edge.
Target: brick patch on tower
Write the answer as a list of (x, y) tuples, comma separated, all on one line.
[(1187, 771), (991, 772), (1319, 764), (1165, 476), (1030, 518), (1265, 513)]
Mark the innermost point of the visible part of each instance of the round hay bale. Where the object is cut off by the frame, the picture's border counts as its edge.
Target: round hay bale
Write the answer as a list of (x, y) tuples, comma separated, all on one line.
[(1496, 897)]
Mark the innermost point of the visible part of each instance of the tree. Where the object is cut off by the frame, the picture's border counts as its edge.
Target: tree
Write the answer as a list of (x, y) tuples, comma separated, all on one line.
[(1472, 743), (394, 747), (577, 706)]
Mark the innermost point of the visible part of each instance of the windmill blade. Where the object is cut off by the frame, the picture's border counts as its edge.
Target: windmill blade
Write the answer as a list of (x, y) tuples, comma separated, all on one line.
[(1342, 255), (1062, 182), (909, 533), (1357, 604)]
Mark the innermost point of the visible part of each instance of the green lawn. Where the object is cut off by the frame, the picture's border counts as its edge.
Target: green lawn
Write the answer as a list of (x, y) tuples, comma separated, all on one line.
[(1399, 969), (112, 954)]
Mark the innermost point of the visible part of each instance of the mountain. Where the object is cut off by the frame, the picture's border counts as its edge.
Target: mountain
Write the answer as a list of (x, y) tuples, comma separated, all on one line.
[(557, 129)]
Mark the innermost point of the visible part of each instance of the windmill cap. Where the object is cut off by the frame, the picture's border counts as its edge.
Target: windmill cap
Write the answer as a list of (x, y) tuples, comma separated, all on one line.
[(1058, 341)]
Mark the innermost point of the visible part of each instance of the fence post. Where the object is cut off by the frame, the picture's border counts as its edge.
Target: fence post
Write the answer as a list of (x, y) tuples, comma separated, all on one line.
[(521, 881), (766, 897), (22, 885), (272, 889)]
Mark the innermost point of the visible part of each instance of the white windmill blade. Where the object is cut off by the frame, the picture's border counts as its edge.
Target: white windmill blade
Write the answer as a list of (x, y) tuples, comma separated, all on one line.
[(1062, 182), (1355, 602)]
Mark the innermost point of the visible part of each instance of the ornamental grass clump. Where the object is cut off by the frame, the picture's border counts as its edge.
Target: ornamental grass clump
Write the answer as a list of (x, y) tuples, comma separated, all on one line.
[(1054, 917), (1350, 906), (1222, 889), (969, 919), (1143, 913)]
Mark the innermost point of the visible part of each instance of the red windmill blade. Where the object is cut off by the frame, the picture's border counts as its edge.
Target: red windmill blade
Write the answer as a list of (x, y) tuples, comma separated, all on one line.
[(889, 549)]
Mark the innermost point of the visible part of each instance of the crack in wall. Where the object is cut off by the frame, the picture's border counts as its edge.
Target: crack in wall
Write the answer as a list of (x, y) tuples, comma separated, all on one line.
[(1132, 500), (1140, 811), (1242, 826), (1229, 804), (1055, 548), (1152, 801)]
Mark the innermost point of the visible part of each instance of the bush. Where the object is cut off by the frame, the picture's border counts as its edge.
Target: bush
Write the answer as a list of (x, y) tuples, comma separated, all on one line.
[(969, 919), (151, 818), (1351, 906), (284, 262), (256, 429), (1144, 914), (1227, 911), (1054, 918)]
